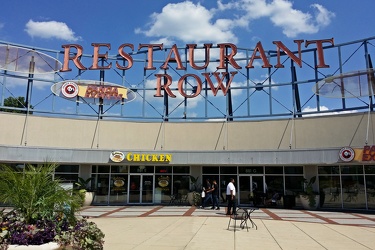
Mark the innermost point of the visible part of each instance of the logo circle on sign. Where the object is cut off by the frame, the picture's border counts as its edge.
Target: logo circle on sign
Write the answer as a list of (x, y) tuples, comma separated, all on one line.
[(69, 89), (347, 154)]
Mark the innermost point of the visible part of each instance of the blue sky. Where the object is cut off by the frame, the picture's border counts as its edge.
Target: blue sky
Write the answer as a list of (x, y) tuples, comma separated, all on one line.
[(50, 24)]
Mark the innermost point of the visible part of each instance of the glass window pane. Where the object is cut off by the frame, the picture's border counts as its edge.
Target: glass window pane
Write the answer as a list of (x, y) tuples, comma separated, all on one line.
[(181, 169), (181, 185), (370, 169), (141, 169), (275, 183), (228, 170), (353, 191), (94, 169), (103, 169), (328, 170), (118, 189), (293, 170), (67, 169), (163, 169), (70, 178), (210, 170), (163, 188), (244, 190), (370, 187), (274, 170), (250, 170), (330, 191), (101, 185), (119, 169), (293, 185), (351, 169)]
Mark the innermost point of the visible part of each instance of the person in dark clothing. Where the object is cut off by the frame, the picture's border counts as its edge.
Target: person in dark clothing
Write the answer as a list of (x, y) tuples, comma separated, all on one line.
[(208, 193), (215, 195)]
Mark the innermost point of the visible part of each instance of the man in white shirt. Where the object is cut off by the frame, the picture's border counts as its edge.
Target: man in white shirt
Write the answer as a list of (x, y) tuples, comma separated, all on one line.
[(231, 197)]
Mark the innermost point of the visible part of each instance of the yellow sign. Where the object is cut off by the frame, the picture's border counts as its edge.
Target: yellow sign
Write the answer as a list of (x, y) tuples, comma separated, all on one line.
[(149, 157)]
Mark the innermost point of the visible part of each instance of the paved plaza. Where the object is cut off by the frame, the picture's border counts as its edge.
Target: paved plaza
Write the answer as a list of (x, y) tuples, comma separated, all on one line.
[(190, 228), (185, 227)]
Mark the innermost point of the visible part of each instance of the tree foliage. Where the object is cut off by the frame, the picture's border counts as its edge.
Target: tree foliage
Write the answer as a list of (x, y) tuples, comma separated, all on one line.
[(16, 102)]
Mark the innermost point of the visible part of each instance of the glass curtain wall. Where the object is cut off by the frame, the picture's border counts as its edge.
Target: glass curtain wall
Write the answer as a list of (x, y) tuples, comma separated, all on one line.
[(119, 185), (68, 174), (171, 181), (257, 184), (370, 186), (110, 184), (222, 175), (347, 186)]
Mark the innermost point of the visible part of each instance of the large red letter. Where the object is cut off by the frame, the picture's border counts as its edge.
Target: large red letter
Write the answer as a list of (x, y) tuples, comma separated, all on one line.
[(150, 54), (297, 60), (262, 56), (96, 56), (164, 86), (125, 56), (192, 47), (230, 59), (319, 47), (177, 58), (220, 84), (75, 58), (181, 89)]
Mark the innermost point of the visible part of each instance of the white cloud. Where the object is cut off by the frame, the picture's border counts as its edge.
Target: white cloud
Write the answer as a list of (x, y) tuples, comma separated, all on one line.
[(189, 22), (324, 108), (51, 29), (292, 21), (323, 16)]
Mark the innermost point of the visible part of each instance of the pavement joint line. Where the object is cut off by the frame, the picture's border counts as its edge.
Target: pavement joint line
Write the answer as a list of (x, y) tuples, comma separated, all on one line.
[(190, 211), (320, 217), (151, 211), (111, 212), (271, 214), (364, 217)]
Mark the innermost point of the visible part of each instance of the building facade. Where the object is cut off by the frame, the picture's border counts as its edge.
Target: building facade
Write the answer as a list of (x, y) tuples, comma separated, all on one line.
[(150, 168), (144, 152)]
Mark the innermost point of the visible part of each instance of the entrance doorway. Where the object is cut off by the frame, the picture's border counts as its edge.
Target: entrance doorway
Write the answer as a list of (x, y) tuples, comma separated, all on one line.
[(141, 189), (251, 189)]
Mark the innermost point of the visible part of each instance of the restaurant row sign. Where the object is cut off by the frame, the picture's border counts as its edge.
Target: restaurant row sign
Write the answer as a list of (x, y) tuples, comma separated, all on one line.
[(227, 51)]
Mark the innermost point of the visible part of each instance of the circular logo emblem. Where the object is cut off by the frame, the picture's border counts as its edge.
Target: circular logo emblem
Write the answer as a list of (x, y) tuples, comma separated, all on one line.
[(347, 154), (117, 156), (69, 89)]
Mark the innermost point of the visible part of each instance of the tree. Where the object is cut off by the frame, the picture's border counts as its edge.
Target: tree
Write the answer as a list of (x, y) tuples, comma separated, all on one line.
[(16, 102)]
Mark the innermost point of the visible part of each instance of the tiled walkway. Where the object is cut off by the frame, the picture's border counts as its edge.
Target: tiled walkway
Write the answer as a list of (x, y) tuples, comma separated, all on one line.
[(188, 228), (341, 218)]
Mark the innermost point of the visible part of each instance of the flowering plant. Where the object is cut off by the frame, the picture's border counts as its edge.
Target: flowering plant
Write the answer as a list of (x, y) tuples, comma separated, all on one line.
[(43, 211), (80, 235)]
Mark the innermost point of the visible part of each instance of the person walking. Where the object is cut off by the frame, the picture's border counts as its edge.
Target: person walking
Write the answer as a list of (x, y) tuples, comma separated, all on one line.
[(208, 193), (231, 197), (215, 195)]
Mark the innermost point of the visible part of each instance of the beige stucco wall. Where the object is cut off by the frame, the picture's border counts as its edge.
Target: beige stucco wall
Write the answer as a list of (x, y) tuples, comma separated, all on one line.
[(302, 133)]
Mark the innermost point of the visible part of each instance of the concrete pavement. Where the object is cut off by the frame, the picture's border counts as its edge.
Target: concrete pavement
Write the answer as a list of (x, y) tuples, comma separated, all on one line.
[(185, 227)]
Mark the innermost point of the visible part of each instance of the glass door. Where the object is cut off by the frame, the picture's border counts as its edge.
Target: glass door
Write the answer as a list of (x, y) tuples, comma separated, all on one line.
[(141, 189), (251, 190)]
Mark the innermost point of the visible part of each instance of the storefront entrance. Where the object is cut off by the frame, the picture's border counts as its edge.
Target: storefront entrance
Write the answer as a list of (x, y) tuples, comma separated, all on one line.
[(141, 189), (251, 189)]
